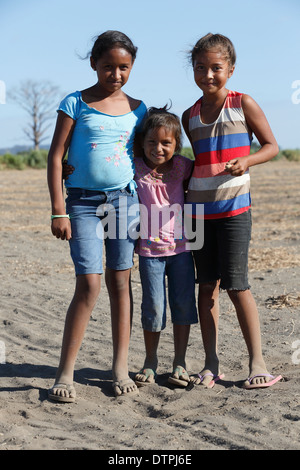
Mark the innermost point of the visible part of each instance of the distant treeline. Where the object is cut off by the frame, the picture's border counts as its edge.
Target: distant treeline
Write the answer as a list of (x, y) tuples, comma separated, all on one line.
[(38, 158), (292, 155)]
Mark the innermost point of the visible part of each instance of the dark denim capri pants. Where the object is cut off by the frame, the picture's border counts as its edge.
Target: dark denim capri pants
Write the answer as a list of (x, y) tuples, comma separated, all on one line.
[(224, 254)]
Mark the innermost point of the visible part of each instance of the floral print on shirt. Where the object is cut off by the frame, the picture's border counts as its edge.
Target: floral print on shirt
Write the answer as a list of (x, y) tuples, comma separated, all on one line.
[(120, 152)]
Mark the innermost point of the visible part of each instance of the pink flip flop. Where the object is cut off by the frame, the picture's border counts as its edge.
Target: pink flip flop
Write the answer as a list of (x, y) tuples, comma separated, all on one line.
[(214, 379), (266, 384)]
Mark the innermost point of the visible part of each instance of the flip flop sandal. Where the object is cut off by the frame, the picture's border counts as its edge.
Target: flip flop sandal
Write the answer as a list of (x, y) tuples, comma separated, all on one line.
[(147, 372), (60, 398), (121, 384), (266, 384), (213, 381), (181, 382)]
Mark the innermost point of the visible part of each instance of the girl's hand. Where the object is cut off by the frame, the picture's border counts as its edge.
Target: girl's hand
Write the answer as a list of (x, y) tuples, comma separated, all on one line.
[(61, 228), (66, 170), (237, 167)]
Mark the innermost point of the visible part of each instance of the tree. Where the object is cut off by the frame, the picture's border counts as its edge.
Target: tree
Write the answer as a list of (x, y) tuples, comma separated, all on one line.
[(38, 99)]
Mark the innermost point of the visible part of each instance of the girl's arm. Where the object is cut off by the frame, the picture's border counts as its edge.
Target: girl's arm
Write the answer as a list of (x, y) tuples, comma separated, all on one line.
[(138, 150), (61, 227), (185, 123), (258, 124)]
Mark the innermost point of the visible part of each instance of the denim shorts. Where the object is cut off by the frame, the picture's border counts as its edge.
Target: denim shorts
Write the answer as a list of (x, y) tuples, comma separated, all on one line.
[(98, 218), (180, 272), (224, 254)]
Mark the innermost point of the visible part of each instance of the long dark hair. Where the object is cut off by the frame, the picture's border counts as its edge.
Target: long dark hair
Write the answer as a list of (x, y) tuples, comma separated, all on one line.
[(112, 39)]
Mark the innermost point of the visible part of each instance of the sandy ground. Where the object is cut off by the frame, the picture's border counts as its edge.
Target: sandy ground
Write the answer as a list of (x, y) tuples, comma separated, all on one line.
[(37, 283)]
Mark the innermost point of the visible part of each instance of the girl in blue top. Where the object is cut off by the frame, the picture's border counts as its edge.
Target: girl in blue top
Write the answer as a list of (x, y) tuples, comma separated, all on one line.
[(97, 126)]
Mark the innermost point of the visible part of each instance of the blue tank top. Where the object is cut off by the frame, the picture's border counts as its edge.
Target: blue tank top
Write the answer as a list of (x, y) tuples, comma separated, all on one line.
[(101, 148)]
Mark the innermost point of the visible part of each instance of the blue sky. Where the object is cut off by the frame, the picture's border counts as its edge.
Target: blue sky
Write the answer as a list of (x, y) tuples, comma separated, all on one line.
[(41, 40)]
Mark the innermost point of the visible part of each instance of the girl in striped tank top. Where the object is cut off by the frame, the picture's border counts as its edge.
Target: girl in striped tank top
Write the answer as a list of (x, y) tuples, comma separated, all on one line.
[(220, 127)]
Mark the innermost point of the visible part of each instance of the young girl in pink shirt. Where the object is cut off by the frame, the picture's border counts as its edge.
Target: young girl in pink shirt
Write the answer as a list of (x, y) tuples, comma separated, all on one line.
[(161, 176)]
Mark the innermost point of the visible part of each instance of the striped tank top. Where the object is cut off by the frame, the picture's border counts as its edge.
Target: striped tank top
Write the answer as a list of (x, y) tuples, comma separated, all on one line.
[(214, 144)]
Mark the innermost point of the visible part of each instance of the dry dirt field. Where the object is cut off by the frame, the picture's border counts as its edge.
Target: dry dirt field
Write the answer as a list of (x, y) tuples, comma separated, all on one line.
[(37, 283)]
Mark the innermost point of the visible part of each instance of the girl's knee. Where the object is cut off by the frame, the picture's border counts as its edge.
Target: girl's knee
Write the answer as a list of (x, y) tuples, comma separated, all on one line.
[(117, 281), (88, 286), (209, 288), (238, 294)]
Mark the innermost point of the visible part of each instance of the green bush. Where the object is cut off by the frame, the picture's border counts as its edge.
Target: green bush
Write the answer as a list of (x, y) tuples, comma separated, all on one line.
[(37, 158), (32, 159), (292, 155), (187, 152), (8, 160)]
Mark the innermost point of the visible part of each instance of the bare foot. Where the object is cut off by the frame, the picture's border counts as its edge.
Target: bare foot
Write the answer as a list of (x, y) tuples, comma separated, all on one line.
[(259, 377), (258, 374), (124, 387), (179, 377), (203, 378), (207, 374), (145, 377), (64, 393)]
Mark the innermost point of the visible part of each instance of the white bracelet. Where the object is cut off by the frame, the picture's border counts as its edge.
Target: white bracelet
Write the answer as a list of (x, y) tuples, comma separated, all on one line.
[(58, 216)]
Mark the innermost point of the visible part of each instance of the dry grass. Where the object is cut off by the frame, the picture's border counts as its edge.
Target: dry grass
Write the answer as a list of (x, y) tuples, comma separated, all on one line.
[(261, 259), (276, 216), (283, 300)]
